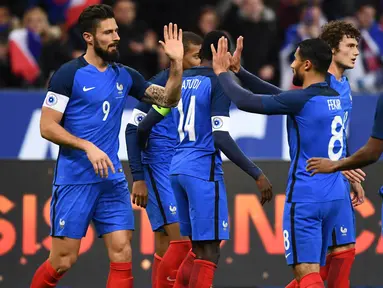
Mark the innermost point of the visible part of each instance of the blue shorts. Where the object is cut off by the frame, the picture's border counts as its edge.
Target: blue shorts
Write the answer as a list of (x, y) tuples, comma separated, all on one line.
[(307, 229), (106, 203), (344, 231), (202, 207), (161, 208)]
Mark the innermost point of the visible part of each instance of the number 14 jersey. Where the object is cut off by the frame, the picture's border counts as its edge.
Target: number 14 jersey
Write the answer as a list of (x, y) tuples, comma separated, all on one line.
[(203, 108)]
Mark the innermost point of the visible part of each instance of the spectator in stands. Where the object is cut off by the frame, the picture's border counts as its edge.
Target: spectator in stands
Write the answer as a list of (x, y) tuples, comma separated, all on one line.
[(311, 22), (35, 49), (208, 21), (368, 73), (257, 24), (5, 21), (138, 44)]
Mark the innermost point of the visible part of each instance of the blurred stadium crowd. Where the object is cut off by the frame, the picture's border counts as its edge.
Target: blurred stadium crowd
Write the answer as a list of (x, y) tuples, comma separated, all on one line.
[(37, 36)]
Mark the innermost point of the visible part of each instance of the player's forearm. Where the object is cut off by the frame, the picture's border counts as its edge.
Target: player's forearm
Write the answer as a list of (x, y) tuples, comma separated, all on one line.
[(134, 152), (366, 155), (224, 142), (242, 98), (54, 132), (173, 85), (256, 84)]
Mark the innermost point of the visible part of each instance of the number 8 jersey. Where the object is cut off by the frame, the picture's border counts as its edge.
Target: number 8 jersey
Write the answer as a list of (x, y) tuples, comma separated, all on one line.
[(202, 109), (315, 129), (92, 103)]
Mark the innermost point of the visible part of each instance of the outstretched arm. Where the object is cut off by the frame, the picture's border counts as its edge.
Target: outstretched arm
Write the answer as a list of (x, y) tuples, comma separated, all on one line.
[(289, 102), (256, 84), (284, 103)]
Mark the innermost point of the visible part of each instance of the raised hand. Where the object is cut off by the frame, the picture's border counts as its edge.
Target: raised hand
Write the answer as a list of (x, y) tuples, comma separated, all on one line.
[(172, 43), (221, 56), (235, 63)]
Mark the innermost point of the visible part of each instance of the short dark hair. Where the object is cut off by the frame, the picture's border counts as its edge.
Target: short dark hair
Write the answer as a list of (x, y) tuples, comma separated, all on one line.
[(212, 38), (318, 52), (334, 31), (91, 17), (190, 38)]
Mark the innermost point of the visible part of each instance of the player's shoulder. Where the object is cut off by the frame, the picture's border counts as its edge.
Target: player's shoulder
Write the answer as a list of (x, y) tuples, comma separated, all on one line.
[(68, 70), (320, 89), (200, 71), (62, 80), (160, 78)]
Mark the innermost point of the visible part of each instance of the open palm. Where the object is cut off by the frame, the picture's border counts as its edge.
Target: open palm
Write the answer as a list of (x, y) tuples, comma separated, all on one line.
[(235, 63), (172, 43)]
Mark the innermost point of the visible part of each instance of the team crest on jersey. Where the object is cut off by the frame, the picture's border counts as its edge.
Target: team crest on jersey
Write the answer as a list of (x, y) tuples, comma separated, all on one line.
[(120, 88), (225, 225), (139, 117), (173, 209), (217, 122), (51, 99)]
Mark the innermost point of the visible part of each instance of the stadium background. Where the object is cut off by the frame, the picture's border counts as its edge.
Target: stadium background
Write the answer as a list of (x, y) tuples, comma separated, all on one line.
[(255, 256)]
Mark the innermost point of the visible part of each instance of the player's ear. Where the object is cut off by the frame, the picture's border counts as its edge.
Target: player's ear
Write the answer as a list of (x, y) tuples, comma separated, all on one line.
[(308, 65), (88, 37), (333, 50)]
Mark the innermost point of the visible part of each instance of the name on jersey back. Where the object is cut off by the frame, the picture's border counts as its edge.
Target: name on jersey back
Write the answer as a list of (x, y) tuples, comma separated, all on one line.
[(334, 104), (191, 84)]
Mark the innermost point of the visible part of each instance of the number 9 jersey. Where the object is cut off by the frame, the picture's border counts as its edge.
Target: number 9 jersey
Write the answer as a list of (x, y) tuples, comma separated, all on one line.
[(92, 103)]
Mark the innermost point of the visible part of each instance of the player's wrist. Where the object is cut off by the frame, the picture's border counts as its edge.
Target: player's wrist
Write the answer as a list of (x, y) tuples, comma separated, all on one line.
[(84, 145), (236, 69), (337, 165)]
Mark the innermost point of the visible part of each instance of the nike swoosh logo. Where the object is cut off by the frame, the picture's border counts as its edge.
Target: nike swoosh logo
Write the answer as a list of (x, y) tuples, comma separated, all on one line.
[(87, 89), (288, 255), (170, 279)]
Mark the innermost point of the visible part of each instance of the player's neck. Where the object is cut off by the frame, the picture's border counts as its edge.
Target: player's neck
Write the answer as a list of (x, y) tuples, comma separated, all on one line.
[(206, 63), (336, 70), (313, 79), (93, 59)]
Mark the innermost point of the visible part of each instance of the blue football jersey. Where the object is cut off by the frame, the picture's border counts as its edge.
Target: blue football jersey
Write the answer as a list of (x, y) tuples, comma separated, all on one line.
[(343, 88), (92, 104), (377, 131), (163, 136), (315, 129), (203, 108)]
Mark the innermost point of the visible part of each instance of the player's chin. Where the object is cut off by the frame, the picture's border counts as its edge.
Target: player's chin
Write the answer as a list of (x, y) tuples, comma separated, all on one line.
[(113, 55)]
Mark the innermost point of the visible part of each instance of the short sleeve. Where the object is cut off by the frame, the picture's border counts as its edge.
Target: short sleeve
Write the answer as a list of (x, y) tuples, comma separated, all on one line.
[(139, 84), (60, 87), (377, 131)]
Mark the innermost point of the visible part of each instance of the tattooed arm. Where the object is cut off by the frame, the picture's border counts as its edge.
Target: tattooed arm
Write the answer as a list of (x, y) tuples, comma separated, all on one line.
[(169, 95)]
